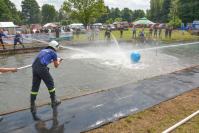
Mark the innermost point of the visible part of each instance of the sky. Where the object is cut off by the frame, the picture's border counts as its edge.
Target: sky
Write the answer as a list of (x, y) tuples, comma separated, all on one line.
[(132, 4)]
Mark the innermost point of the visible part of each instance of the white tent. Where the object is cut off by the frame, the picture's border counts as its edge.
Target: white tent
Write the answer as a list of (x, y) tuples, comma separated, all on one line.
[(97, 24), (7, 25), (76, 25), (143, 21), (10, 27), (50, 25)]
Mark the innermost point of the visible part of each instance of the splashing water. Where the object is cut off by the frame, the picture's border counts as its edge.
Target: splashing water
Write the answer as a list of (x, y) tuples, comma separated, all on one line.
[(123, 57), (170, 46)]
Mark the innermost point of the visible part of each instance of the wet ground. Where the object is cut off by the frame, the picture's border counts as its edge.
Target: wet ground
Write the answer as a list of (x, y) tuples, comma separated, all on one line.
[(92, 68), (88, 112)]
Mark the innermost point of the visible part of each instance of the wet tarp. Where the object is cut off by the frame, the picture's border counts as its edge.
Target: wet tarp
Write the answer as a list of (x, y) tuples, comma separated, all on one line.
[(91, 111)]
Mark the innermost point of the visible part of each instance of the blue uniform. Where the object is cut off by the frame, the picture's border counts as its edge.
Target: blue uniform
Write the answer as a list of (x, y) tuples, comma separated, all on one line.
[(18, 39), (41, 72), (46, 56), (1, 35), (1, 40)]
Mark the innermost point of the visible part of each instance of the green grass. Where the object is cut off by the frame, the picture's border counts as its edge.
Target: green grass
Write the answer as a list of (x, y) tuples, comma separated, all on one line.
[(127, 35)]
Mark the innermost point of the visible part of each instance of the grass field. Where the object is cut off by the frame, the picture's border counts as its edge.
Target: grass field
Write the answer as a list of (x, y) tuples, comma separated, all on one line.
[(127, 35)]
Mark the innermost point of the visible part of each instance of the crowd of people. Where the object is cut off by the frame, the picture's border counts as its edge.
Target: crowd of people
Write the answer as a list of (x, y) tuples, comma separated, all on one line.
[(154, 32)]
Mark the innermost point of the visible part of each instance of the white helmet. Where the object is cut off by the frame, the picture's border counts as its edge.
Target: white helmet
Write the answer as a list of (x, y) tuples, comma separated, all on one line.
[(54, 44)]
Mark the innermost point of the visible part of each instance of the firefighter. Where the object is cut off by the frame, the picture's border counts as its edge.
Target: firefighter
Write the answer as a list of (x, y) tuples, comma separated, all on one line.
[(17, 39), (41, 72), (1, 38)]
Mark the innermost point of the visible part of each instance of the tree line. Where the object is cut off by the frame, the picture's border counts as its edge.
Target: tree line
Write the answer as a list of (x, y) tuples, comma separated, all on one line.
[(30, 13), (117, 15), (86, 12), (173, 11)]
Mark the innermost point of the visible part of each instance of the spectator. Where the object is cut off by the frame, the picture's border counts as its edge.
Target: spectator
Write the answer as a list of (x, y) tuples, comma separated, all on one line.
[(89, 33), (155, 31), (166, 32), (97, 32), (160, 32), (57, 30), (108, 33), (78, 32), (121, 31), (151, 31), (142, 37), (134, 31), (170, 32)]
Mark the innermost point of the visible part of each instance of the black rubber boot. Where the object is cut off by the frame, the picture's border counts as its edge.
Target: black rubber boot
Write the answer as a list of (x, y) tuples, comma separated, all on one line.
[(34, 111), (54, 101)]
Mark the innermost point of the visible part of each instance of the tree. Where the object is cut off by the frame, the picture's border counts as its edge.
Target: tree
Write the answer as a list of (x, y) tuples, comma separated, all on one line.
[(14, 14), (118, 20), (155, 9), (188, 10), (109, 21), (174, 19), (30, 11), (85, 11), (126, 14), (104, 17), (137, 14), (8, 12), (115, 13), (165, 11), (5, 14), (48, 13)]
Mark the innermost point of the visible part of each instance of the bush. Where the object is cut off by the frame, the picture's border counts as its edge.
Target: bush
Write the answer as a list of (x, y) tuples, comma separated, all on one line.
[(175, 22)]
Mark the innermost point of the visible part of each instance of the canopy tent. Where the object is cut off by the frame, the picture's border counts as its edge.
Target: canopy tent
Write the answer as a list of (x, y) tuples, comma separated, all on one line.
[(50, 25), (7, 25), (97, 24), (143, 21)]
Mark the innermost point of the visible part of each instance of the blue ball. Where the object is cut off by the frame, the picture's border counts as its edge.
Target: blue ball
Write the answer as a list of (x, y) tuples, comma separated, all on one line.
[(135, 56)]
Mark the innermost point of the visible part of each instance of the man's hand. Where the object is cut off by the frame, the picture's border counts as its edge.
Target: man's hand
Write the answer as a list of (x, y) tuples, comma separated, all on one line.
[(60, 59), (4, 70), (57, 62)]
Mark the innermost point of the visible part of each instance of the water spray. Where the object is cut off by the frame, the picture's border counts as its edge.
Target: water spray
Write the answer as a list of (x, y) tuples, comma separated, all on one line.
[(45, 42), (136, 56), (65, 47)]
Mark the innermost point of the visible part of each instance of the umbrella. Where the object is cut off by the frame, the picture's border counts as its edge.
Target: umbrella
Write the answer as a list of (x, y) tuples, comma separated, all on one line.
[(143, 21)]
